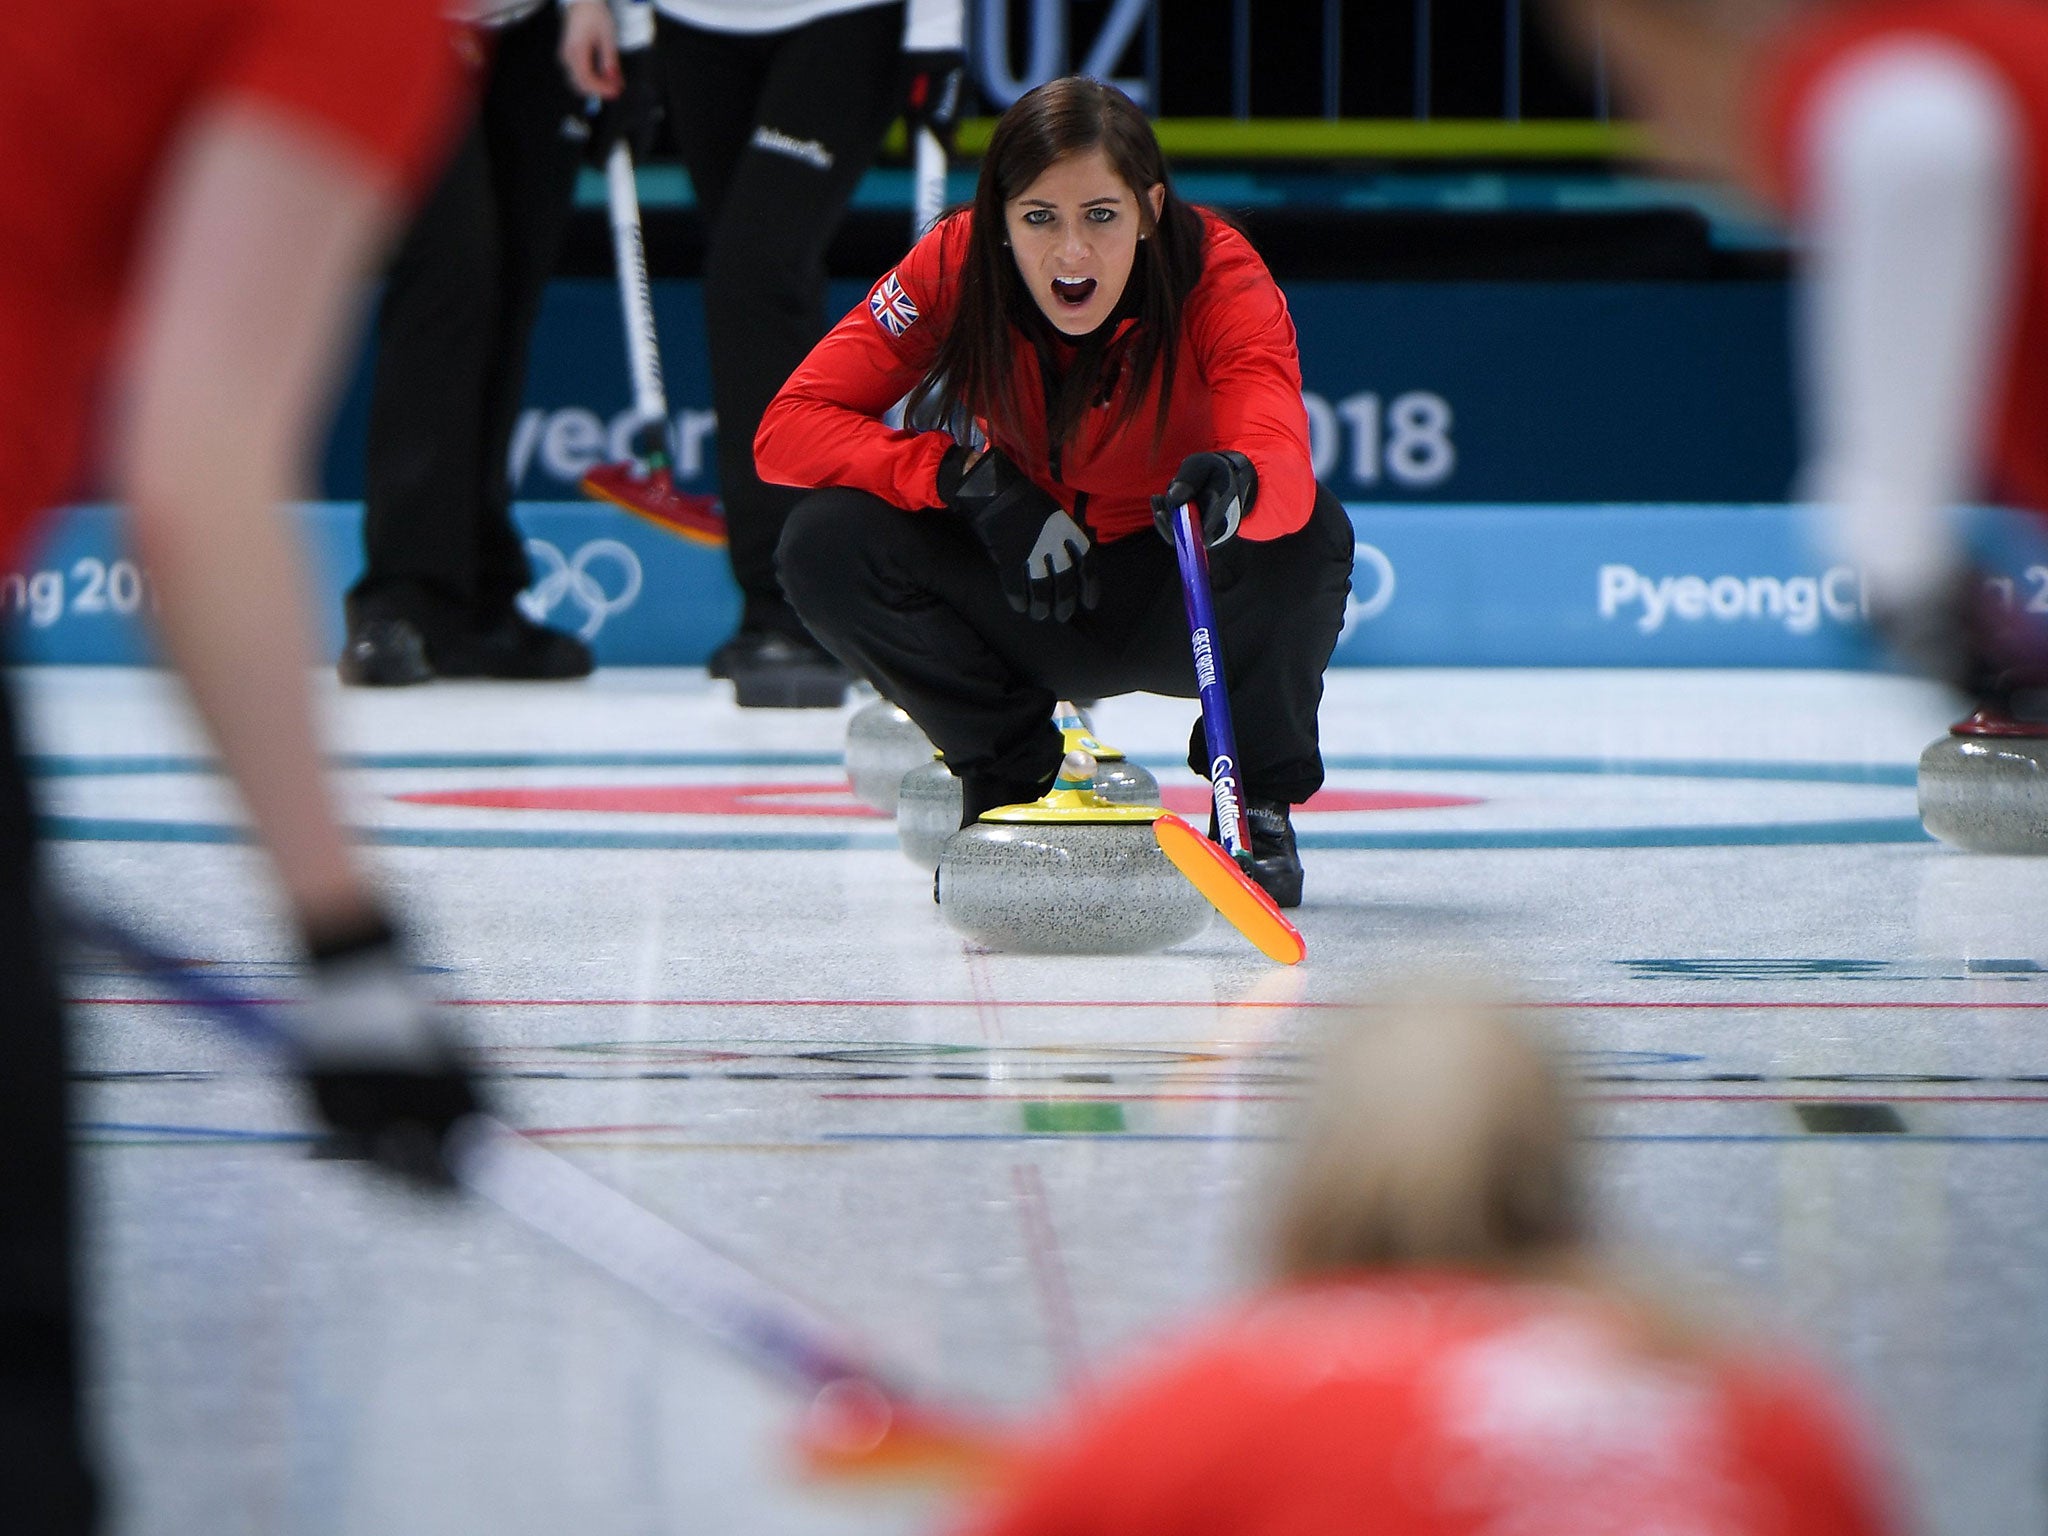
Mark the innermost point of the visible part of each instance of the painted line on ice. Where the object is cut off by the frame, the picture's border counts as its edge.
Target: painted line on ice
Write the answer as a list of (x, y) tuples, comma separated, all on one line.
[(1025, 1096), (1751, 1005), (1869, 830), (111, 829), (97, 767), (597, 1137), (59, 765), (122, 1132), (1904, 775), (193, 1134), (1125, 1137), (1049, 1272)]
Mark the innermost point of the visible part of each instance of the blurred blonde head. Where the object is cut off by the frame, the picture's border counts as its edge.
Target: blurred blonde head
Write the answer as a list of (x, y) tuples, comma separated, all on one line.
[(1438, 1136)]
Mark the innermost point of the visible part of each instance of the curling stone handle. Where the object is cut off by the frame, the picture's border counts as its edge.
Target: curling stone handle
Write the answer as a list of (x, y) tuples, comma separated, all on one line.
[(1224, 783)]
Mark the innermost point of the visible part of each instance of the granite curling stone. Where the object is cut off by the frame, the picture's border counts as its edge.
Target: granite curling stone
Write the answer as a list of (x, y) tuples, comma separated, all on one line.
[(882, 744), (1984, 786), (928, 805), (1071, 874)]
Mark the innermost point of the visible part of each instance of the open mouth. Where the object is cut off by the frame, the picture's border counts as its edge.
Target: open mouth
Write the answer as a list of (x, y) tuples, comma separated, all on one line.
[(1073, 291)]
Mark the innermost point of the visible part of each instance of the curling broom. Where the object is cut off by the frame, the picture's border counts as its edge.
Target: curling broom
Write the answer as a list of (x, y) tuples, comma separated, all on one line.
[(1219, 873), (645, 484), (859, 1419)]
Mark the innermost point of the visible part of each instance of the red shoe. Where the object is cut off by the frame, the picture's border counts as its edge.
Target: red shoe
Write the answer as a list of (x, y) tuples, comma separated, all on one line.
[(654, 496)]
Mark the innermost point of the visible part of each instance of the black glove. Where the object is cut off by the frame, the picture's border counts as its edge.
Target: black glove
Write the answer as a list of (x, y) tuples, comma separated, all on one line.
[(379, 1060), (1222, 486), (1041, 554), (634, 114), (934, 89)]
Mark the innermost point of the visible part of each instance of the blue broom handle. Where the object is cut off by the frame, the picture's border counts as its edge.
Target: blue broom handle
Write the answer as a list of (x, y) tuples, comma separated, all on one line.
[(1224, 784), (679, 1271)]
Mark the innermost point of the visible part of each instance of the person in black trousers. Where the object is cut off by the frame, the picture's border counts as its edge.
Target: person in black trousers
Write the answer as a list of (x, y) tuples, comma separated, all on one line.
[(42, 1466), (443, 559), (1119, 353), (777, 128)]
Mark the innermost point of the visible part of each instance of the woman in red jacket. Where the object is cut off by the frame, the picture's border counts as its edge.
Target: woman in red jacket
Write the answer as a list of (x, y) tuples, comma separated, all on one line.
[(1446, 1352), (1100, 351)]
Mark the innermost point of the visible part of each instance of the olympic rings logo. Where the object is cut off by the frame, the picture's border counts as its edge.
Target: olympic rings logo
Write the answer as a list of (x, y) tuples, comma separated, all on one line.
[(574, 580), (1359, 611)]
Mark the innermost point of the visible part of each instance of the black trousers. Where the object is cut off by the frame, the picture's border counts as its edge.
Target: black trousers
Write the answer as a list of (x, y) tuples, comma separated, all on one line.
[(777, 129), (911, 601), (459, 305), (45, 1484)]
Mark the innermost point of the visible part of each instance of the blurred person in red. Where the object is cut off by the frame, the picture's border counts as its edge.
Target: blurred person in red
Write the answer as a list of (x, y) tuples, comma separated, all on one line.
[(1444, 1349), (184, 219), (1906, 142)]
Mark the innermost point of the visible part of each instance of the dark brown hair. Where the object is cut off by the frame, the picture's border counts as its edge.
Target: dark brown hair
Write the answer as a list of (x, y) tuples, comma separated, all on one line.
[(972, 371)]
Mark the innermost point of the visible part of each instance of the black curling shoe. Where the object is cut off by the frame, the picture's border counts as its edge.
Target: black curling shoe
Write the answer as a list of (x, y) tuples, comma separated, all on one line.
[(776, 671), (397, 638), (515, 649), (984, 792), (738, 646), (1275, 863), (384, 653)]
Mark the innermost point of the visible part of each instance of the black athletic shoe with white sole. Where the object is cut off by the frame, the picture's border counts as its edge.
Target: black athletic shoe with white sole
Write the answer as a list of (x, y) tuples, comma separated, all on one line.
[(1275, 864)]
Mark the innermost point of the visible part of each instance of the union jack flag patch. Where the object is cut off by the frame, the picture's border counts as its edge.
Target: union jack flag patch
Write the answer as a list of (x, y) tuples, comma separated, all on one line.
[(892, 307)]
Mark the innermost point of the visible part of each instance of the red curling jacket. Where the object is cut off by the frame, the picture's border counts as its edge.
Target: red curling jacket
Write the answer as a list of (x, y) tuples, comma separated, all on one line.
[(1438, 1404), (2011, 38), (85, 138), (1238, 386)]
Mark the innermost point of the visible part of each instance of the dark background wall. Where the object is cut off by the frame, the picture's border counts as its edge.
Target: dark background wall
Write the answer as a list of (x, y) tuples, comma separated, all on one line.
[(1461, 69)]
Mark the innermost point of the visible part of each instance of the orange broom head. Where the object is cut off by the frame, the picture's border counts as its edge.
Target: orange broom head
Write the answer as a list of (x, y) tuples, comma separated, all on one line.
[(1230, 890), (857, 1429)]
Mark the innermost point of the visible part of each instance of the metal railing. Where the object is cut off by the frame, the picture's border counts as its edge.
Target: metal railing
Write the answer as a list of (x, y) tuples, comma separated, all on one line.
[(1467, 61)]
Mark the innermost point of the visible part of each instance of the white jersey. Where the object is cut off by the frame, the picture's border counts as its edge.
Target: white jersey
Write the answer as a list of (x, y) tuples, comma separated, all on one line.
[(927, 24)]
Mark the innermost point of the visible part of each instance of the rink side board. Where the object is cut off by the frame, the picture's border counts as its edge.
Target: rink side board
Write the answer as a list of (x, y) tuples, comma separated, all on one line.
[(1479, 586)]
